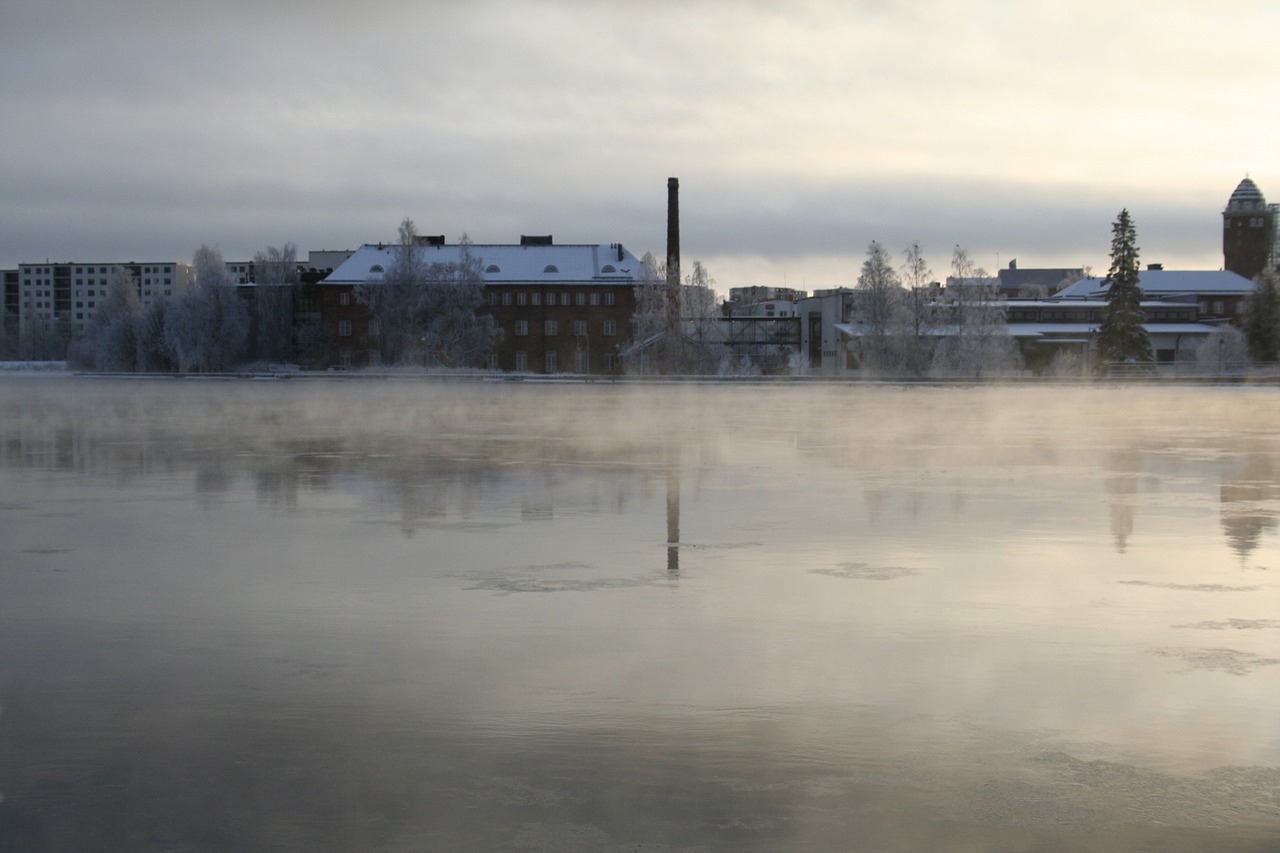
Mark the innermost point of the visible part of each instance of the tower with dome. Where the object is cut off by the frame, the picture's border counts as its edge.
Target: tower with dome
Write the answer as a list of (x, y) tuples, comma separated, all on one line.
[(1248, 231)]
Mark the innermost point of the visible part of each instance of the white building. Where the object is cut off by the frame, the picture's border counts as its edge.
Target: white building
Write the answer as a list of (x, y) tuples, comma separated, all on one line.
[(67, 295)]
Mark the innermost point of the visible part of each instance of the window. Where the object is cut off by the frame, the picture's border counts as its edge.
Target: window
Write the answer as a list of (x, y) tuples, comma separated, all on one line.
[(506, 299), (608, 268), (551, 299), (550, 328), (610, 327), (492, 268), (535, 298), (581, 299), (344, 328), (608, 298), (522, 360), (491, 361), (491, 298), (595, 299), (551, 361), (522, 328), (610, 361), (581, 361), (1217, 306), (550, 268), (344, 299), (521, 298), (579, 328), (376, 268)]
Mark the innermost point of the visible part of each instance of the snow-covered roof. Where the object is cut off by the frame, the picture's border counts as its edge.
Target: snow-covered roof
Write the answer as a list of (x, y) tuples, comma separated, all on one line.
[(1164, 283), (593, 263), (1054, 331)]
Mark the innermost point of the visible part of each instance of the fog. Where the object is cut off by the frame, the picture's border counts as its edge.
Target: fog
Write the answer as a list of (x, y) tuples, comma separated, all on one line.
[(419, 614)]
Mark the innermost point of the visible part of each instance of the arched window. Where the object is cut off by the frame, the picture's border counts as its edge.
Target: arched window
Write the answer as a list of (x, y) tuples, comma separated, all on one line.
[(492, 268), (608, 268), (551, 268), (376, 268)]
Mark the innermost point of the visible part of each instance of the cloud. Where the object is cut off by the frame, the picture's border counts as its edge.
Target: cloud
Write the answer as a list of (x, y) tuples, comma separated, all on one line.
[(800, 131)]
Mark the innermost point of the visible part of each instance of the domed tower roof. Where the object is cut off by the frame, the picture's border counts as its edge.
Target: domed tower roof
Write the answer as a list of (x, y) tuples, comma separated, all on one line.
[(1247, 197)]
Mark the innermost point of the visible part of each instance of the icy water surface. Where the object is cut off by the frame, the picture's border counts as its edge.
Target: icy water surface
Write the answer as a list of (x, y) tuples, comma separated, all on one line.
[(419, 616)]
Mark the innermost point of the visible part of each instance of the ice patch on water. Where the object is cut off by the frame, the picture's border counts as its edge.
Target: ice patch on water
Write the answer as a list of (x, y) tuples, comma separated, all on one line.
[(1193, 587), (1234, 624), (866, 572), (1231, 661)]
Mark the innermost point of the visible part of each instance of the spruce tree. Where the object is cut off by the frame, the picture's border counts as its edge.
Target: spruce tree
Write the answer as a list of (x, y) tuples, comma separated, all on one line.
[(1122, 337), (1263, 325)]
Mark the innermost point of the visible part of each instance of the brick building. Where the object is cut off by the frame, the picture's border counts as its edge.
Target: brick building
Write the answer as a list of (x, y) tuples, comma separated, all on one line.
[(562, 308)]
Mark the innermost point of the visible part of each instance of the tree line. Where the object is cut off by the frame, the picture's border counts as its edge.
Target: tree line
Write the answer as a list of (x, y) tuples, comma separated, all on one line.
[(209, 328)]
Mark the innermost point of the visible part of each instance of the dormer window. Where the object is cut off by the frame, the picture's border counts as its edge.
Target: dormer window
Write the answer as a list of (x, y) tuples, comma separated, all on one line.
[(551, 268), (608, 268), (376, 268), (492, 268)]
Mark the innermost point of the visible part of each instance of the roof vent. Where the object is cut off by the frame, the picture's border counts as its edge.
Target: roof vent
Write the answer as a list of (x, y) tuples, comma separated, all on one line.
[(535, 240), (429, 240)]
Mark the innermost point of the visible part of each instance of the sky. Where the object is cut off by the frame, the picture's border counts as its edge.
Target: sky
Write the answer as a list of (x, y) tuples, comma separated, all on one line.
[(800, 130)]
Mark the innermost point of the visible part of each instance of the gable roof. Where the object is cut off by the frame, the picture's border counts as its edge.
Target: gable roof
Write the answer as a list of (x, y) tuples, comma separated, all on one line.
[(594, 263)]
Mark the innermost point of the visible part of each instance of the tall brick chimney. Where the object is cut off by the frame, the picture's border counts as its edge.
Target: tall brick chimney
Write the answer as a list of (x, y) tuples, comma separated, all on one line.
[(673, 258)]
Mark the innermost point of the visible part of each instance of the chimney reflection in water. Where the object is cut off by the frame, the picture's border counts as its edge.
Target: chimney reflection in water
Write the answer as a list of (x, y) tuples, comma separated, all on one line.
[(673, 509)]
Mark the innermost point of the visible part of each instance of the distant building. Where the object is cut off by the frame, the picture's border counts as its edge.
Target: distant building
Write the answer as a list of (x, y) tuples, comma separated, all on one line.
[(1248, 231), (60, 300), (562, 308), (1222, 296), (1013, 282), (749, 295)]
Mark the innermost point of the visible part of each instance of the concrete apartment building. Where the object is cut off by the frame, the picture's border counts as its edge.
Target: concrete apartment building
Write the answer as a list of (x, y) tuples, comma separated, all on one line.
[(61, 299)]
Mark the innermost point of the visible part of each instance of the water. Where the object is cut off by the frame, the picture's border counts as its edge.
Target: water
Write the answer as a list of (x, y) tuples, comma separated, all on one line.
[(411, 615)]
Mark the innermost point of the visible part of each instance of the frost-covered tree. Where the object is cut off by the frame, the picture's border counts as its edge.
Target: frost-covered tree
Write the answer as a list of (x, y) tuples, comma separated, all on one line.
[(696, 348), (1122, 336), (275, 283), (976, 342), (1223, 352), (918, 302), (392, 299), (430, 314), (117, 328), (878, 310), (206, 327), (1263, 324), (154, 353), (455, 329)]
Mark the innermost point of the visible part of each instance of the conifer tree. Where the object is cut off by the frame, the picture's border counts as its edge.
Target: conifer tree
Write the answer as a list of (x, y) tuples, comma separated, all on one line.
[(1122, 337)]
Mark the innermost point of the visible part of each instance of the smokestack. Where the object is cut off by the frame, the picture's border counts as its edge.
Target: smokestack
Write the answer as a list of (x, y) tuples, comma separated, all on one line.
[(673, 257)]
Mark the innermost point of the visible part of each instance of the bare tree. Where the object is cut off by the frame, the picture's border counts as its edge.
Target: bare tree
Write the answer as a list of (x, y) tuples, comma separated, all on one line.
[(116, 331), (877, 309), (206, 327), (976, 342), (917, 278), (275, 284), (456, 331), (392, 298)]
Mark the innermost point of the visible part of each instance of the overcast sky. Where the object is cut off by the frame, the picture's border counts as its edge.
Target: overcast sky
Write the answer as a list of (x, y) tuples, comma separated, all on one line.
[(800, 131)]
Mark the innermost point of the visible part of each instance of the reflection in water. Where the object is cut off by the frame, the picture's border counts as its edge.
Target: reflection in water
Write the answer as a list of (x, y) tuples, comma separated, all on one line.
[(410, 615), (1249, 495), (1121, 485), (673, 509)]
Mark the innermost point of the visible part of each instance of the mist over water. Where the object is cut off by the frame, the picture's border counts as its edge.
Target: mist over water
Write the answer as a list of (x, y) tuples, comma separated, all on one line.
[(416, 615)]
